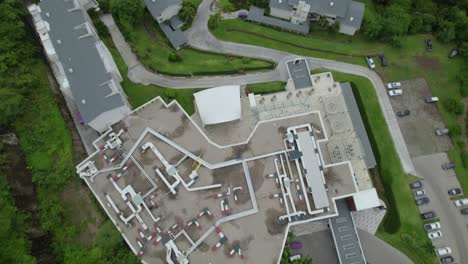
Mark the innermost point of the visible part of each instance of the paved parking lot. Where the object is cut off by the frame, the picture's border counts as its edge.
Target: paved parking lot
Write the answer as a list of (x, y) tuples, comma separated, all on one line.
[(418, 128), (437, 182)]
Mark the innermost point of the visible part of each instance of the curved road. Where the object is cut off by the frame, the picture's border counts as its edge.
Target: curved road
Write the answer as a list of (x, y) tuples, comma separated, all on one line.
[(201, 38)]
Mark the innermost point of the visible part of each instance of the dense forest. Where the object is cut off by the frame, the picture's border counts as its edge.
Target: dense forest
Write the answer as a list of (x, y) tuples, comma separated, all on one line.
[(29, 108)]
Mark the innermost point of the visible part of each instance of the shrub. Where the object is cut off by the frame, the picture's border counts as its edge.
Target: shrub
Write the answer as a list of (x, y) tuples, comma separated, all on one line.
[(175, 57), (454, 106), (455, 130), (464, 157), (214, 20)]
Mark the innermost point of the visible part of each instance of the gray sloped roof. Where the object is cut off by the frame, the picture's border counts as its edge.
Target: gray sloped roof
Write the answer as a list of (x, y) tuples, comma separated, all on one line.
[(176, 37), (281, 4), (257, 15), (81, 55), (325, 7), (354, 15), (156, 7), (358, 124)]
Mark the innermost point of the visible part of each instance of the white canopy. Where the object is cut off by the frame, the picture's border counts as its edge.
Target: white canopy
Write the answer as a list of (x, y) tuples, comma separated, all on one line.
[(219, 105), (366, 199)]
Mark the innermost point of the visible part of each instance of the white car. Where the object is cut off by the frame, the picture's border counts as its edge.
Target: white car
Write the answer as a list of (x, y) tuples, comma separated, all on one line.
[(443, 251), (419, 192), (395, 92), (432, 226), (461, 202), (434, 234), (394, 85), (370, 62)]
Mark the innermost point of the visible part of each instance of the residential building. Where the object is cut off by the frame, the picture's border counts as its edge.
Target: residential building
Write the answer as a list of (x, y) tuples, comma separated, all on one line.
[(347, 12), (165, 12), (81, 63)]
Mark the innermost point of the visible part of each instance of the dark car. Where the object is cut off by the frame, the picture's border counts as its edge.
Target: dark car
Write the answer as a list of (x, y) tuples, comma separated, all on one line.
[(383, 60), (428, 215), (416, 185), (453, 53), (454, 191), (422, 201), (448, 166), (428, 44), (403, 113), (447, 259), (242, 15), (464, 211)]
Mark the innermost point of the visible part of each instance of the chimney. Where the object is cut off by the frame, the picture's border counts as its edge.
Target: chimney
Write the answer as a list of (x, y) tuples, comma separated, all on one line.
[(331, 4)]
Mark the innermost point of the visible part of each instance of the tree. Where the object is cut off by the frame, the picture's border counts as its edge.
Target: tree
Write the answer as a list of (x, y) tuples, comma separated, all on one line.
[(127, 13), (372, 26), (260, 3), (10, 106), (214, 20), (446, 31), (188, 11), (335, 27), (396, 21), (463, 48)]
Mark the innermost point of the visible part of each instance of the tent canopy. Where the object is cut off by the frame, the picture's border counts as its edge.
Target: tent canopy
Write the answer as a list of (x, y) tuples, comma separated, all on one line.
[(219, 105)]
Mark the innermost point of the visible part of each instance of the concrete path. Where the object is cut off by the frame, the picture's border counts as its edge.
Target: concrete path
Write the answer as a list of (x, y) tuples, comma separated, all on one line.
[(379, 252), (200, 37)]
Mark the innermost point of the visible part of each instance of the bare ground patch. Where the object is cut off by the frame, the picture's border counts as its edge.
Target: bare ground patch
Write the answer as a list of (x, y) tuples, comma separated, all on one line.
[(427, 64)]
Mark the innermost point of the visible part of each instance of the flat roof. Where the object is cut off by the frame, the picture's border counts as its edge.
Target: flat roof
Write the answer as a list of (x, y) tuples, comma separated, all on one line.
[(257, 15), (219, 105), (345, 236), (299, 72), (314, 173), (81, 60), (358, 124), (366, 199)]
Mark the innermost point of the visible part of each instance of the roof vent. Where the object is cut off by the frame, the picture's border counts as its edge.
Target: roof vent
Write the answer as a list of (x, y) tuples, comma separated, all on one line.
[(351, 18), (59, 41), (70, 70), (83, 101), (331, 3), (47, 14)]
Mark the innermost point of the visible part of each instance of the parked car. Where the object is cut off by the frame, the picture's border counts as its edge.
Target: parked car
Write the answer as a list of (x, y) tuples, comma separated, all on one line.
[(394, 85), (422, 201), (428, 215), (461, 202), (428, 44), (443, 251), (395, 92), (434, 234), (448, 166), (431, 99), (295, 245), (432, 226), (416, 185), (447, 259), (464, 211), (403, 113), (453, 53), (419, 192), (242, 15), (441, 131), (383, 60), (370, 62), (454, 191)]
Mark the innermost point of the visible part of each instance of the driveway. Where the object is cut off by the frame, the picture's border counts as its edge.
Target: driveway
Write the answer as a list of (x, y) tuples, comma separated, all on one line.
[(200, 37), (436, 183)]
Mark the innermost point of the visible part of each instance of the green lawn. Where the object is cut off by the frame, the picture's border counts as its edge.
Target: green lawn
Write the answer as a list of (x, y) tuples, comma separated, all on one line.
[(267, 87), (402, 226), (408, 62), (153, 50)]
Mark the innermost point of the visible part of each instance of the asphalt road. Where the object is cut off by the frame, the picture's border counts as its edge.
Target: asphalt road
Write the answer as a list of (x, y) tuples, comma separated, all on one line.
[(453, 224)]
